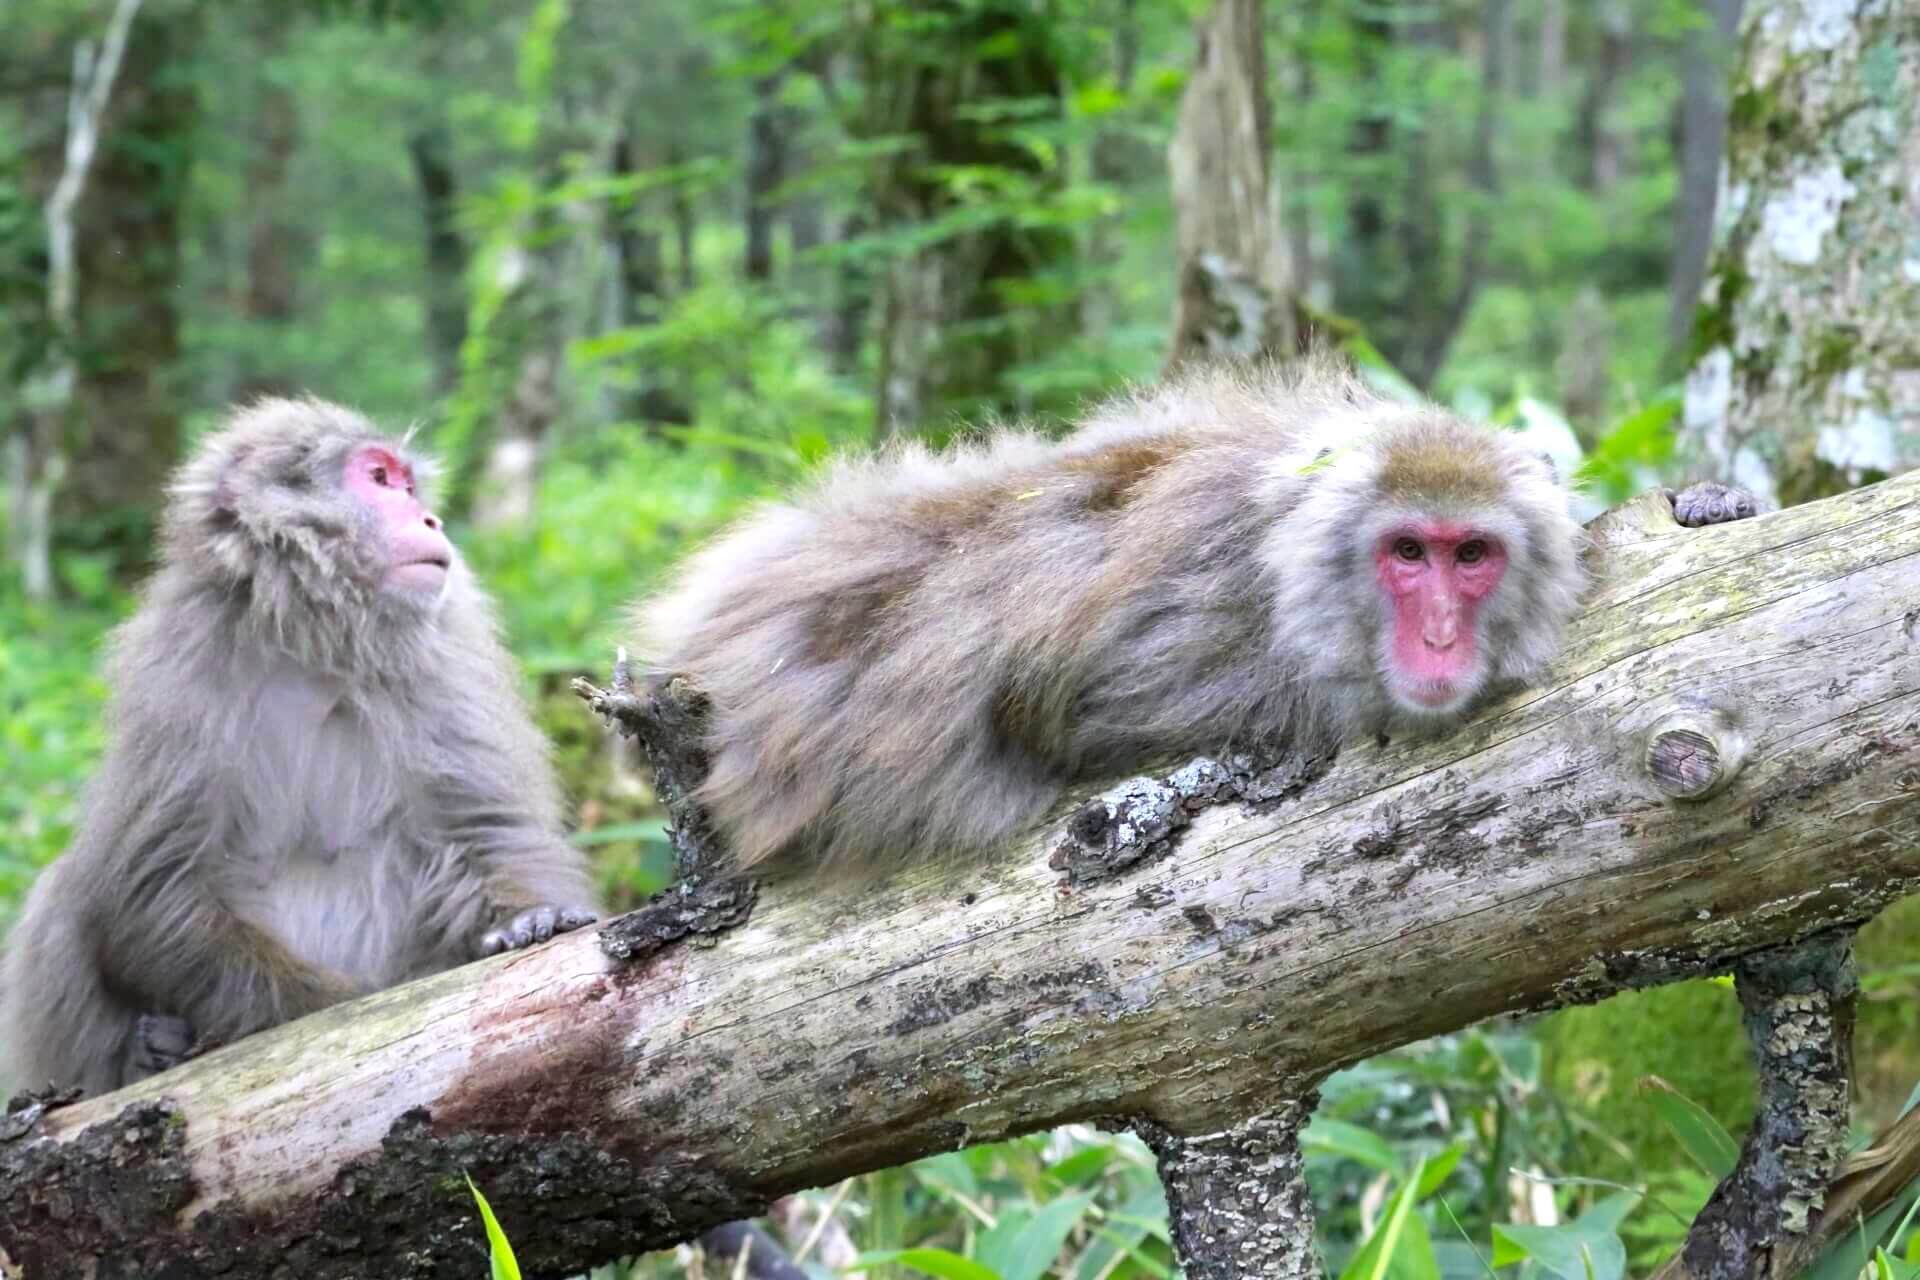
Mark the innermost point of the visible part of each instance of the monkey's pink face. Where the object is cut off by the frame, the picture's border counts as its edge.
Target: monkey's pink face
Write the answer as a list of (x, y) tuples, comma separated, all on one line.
[(1435, 574), (419, 555)]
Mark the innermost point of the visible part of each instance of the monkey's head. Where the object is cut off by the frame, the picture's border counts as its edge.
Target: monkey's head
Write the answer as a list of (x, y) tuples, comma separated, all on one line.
[(1452, 562), (305, 511)]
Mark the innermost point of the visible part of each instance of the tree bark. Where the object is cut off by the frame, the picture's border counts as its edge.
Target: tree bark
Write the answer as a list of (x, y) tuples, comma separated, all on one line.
[(105, 426), (277, 245), (1809, 377), (431, 149), (126, 403), (1722, 761), (1235, 288), (1703, 139), (766, 170)]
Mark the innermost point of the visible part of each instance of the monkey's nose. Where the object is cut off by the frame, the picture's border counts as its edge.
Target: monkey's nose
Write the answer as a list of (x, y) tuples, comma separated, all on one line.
[(433, 521)]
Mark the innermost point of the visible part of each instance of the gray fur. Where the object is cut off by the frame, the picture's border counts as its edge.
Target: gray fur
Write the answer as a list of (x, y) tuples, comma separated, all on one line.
[(313, 788), (916, 654)]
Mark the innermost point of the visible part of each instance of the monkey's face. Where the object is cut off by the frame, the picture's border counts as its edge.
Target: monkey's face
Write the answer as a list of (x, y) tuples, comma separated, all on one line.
[(412, 554), (1433, 576)]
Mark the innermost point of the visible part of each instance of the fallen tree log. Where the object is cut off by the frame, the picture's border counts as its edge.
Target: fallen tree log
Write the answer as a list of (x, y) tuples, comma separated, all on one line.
[(1724, 760)]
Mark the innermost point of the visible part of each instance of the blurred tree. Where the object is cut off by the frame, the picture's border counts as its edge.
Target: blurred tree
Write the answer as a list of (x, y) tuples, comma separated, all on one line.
[(948, 92), (103, 427), (1807, 378), (277, 243), (1703, 134), (430, 146), (1235, 283)]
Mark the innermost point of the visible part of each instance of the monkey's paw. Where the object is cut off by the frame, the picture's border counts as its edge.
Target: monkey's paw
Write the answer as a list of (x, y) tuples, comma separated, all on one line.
[(1709, 503), (536, 924), (161, 1042)]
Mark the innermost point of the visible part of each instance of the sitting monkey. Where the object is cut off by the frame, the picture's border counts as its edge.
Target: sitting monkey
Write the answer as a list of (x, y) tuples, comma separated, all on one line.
[(920, 651), (320, 777)]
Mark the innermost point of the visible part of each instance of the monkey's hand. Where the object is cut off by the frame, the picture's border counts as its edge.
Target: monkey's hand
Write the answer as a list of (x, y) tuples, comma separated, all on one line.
[(1709, 503), (536, 924), (161, 1042)]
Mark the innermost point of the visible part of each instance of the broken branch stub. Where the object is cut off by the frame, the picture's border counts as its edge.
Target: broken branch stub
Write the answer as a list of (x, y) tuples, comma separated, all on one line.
[(1412, 887)]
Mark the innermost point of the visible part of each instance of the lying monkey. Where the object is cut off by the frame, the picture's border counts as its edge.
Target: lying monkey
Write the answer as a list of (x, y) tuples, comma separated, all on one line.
[(917, 653)]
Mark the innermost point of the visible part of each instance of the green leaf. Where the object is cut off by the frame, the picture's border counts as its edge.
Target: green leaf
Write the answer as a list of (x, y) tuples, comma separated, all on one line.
[(1377, 1258), (1570, 1252), (932, 1262), (1084, 1165), (1326, 1136), (1710, 1145), (1025, 1249), (1438, 1169), (654, 832), (947, 1172), (499, 1250)]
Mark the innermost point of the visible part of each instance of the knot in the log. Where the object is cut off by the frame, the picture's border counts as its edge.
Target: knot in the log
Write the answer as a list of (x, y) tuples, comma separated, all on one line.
[(1694, 749)]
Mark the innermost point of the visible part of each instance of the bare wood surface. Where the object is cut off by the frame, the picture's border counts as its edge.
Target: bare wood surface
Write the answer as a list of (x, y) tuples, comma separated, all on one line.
[(1531, 858)]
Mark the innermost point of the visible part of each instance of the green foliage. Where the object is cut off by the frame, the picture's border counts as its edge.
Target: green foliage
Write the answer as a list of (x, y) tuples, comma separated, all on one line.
[(51, 700), (499, 1249)]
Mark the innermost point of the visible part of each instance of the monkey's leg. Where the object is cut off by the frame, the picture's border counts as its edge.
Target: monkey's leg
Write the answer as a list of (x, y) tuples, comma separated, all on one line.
[(765, 1259), (1237, 1199), (1797, 1005), (161, 1042)]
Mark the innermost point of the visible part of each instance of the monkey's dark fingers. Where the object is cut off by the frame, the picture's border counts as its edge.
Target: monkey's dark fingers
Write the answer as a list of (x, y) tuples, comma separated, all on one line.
[(1709, 503), (161, 1042), (536, 924)]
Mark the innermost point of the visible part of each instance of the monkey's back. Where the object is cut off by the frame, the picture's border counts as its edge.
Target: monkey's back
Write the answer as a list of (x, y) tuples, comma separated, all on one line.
[(918, 652)]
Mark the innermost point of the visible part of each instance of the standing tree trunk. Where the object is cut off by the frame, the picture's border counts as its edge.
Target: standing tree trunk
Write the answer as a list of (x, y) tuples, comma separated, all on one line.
[(1599, 130), (127, 401), (431, 148), (1235, 285), (107, 93), (1703, 140), (766, 169), (276, 244), (954, 321), (1809, 377)]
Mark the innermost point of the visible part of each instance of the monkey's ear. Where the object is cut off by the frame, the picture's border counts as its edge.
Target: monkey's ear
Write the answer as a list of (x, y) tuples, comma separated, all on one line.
[(223, 495), (1553, 468)]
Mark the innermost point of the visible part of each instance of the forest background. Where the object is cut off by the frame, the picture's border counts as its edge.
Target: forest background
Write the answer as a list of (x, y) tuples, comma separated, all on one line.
[(631, 264)]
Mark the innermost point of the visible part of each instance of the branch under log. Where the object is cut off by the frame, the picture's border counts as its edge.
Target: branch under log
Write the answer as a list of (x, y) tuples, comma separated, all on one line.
[(1215, 972)]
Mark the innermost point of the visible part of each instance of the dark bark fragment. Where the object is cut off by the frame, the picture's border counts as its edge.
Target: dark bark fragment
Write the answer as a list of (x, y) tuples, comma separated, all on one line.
[(667, 719), (1139, 820), (684, 911), (99, 1206), (95, 1196), (1238, 1199), (1798, 1011)]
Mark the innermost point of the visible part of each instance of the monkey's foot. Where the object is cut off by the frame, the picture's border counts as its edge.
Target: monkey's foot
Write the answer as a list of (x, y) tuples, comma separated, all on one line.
[(1709, 503), (1238, 1199), (536, 924), (161, 1042)]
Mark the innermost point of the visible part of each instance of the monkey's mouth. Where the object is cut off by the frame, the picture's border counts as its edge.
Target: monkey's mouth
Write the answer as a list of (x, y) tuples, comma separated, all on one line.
[(428, 571), (1434, 697)]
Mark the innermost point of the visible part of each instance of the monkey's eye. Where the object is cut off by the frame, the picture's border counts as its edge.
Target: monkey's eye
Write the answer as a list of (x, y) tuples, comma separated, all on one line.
[(1408, 549), (1471, 552), (380, 476)]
